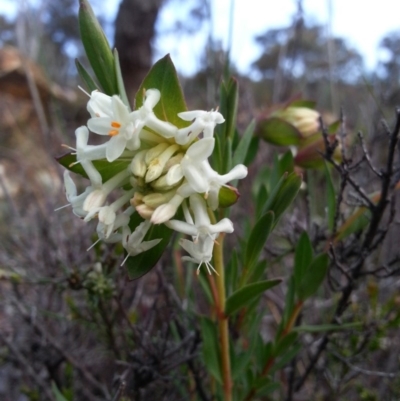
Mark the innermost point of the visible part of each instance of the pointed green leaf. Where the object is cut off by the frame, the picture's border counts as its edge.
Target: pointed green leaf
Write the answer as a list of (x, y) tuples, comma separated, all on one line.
[(258, 236), (331, 198), (286, 358), (313, 278), (120, 81), (228, 106), (284, 196), (106, 169), (85, 76), (163, 77), (289, 304), (327, 327), (57, 393), (210, 348), (303, 257), (227, 160), (240, 153), (139, 265), (277, 131), (286, 163), (97, 49), (285, 343), (247, 294)]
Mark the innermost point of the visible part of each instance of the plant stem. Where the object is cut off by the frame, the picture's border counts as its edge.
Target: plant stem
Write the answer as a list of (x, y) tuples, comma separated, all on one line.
[(222, 319)]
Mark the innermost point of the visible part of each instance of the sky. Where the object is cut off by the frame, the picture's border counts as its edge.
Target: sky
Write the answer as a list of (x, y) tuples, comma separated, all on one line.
[(362, 23)]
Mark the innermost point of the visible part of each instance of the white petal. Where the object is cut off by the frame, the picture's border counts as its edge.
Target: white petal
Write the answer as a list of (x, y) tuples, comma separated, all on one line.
[(99, 104), (70, 187), (82, 137), (100, 125), (115, 147), (223, 226), (195, 178), (191, 115), (201, 150), (120, 111), (182, 227), (152, 98)]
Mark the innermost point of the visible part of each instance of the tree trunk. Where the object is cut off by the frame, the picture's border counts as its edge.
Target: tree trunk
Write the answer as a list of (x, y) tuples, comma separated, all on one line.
[(134, 32)]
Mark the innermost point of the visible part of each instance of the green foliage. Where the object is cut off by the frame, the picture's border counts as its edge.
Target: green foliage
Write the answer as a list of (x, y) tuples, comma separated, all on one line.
[(86, 77), (247, 294), (57, 393), (97, 49), (313, 277), (210, 348), (163, 77), (142, 263), (257, 239)]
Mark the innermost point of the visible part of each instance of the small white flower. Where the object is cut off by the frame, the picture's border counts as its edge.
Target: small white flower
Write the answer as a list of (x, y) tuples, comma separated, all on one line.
[(96, 198), (133, 242), (200, 252), (191, 163), (201, 227), (145, 116), (216, 181), (85, 154), (75, 200), (204, 121), (108, 216), (113, 120)]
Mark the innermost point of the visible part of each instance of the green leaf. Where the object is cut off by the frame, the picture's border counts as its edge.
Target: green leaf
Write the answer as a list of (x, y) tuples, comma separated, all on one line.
[(163, 77), (331, 198), (289, 304), (227, 159), (286, 358), (355, 223), (240, 153), (277, 131), (285, 343), (258, 236), (228, 105), (283, 195), (106, 169), (247, 294), (57, 393), (286, 163), (120, 81), (85, 76), (303, 257), (256, 271), (142, 263), (313, 278), (262, 198), (210, 348), (327, 327), (97, 49)]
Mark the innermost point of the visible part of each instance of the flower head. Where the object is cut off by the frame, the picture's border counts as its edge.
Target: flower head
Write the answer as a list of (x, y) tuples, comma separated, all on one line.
[(159, 168)]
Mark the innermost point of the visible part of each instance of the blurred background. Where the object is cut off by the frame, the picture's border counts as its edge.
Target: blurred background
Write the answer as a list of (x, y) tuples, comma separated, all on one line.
[(345, 55)]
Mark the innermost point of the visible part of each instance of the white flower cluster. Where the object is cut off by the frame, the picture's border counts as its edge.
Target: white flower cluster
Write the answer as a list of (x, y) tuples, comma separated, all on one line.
[(168, 167)]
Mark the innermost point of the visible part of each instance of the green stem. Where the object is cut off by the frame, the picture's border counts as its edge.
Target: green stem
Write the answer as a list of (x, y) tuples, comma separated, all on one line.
[(223, 326)]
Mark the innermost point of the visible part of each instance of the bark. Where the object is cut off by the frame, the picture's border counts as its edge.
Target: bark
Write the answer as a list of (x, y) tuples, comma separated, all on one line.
[(134, 33)]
